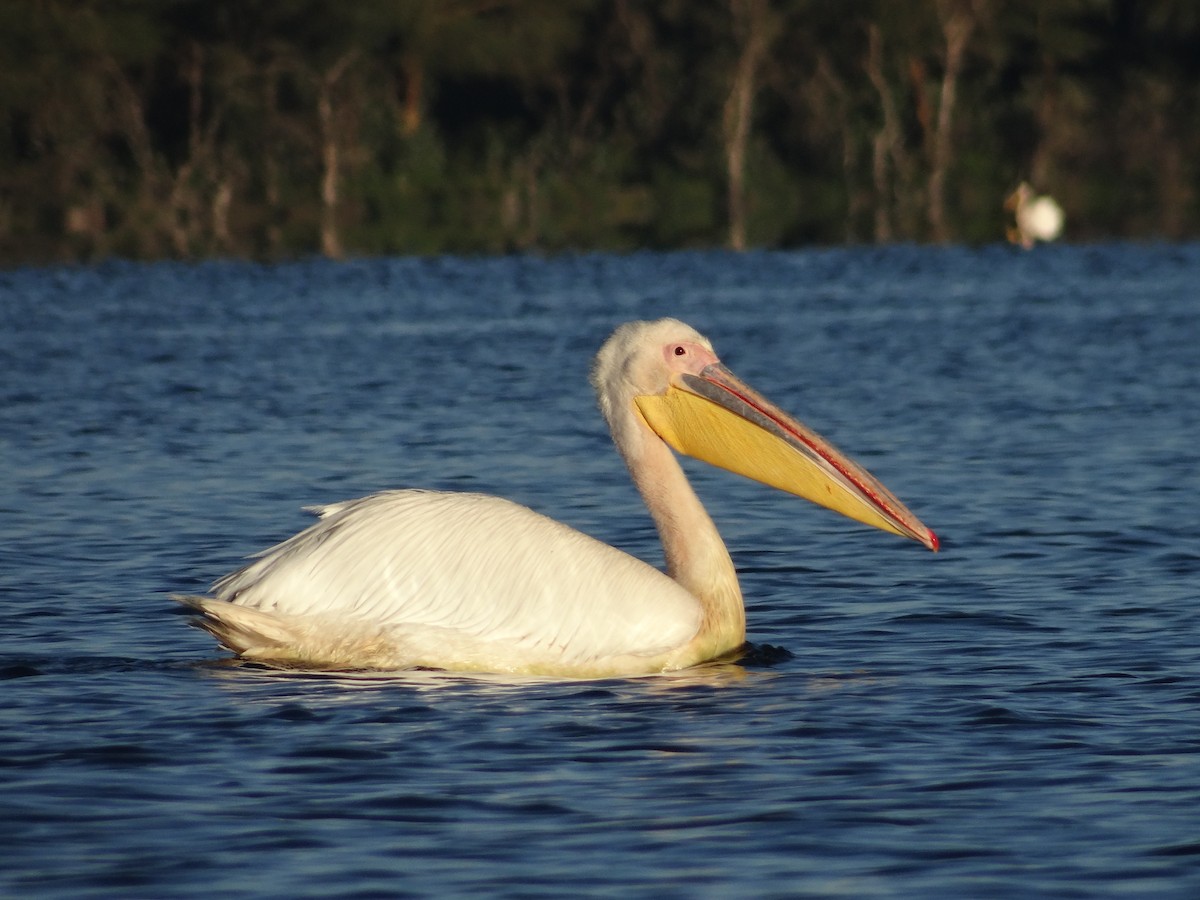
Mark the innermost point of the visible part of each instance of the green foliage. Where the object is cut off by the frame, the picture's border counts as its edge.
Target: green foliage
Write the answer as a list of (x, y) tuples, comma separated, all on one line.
[(185, 128)]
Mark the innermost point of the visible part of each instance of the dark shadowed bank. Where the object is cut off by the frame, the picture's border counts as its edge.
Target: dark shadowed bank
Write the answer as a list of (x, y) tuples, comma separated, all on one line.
[(197, 128)]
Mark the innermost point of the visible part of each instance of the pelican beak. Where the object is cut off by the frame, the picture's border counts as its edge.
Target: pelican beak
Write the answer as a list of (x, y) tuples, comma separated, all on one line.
[(716, 417)]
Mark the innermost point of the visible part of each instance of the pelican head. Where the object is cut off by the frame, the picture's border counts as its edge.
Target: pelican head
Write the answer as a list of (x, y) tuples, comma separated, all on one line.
[(664, 379)]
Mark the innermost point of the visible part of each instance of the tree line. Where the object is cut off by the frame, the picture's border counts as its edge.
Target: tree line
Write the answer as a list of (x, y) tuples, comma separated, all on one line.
[(277, 128)]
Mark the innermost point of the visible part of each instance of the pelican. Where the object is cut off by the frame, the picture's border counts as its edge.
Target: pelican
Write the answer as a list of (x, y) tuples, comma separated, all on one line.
[(1039, 218), (473, 583)]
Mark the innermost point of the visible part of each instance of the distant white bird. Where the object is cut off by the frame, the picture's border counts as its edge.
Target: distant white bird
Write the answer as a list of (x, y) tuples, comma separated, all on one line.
[(1039, 218), (466, 582)]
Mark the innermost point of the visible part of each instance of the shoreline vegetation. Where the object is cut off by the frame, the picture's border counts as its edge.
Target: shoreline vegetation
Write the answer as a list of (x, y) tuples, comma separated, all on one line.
[(191, 129)]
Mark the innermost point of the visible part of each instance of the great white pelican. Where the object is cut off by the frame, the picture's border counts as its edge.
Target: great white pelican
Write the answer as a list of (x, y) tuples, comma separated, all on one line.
[(1038, 216), (473, 583)]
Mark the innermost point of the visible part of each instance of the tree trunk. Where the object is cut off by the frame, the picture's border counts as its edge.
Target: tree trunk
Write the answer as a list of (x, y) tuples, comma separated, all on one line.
[(957, 26), (270, 172), (222, 200), (888, 142), (149, 220), (331, 242), (830, 84), (331, 239), (750, 19), (413, 99)]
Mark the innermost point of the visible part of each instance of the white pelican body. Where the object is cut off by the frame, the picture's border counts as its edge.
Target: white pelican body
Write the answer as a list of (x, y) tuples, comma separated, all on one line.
[(466, 582), (1039, 218)]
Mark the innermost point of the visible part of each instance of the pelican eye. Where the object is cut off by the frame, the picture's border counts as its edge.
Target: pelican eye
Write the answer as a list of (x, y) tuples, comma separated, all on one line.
[(680, 350)]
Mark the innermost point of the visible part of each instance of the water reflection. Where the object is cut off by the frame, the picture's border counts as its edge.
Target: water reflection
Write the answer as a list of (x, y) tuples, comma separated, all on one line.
[(235, 672)]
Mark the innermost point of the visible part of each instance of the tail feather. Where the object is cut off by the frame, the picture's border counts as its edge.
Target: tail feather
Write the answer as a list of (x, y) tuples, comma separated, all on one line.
[(247, 632)]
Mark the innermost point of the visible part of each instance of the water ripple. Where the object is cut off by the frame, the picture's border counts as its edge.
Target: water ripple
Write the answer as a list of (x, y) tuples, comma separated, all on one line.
[(1015, 716)]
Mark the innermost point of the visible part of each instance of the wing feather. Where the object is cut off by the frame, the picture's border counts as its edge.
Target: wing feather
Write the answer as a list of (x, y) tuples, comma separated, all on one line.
[(468, 565)]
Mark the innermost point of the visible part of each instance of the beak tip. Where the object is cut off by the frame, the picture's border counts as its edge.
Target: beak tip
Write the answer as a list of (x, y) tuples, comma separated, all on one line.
[(932, 542)]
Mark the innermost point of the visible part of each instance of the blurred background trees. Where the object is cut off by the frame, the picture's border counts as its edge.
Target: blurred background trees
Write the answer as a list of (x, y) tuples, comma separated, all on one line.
[(274, 128)]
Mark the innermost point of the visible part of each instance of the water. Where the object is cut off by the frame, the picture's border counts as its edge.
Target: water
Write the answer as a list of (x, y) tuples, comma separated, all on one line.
[(1016, 716)]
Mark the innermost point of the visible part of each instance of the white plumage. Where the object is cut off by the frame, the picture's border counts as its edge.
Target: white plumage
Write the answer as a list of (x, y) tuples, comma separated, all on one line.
[(457, 581), (1038, 217), (468, 582)]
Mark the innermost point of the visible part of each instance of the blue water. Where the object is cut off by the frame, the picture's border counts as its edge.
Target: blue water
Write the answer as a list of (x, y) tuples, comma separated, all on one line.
[(1018, 716)]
